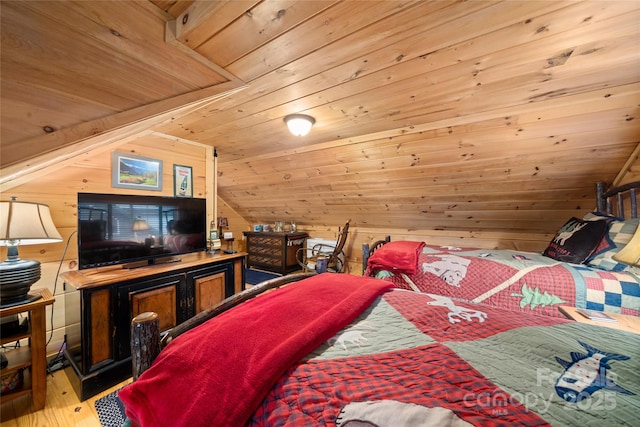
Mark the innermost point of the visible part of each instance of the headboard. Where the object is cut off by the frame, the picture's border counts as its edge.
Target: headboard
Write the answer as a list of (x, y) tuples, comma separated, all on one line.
[(613, 201)]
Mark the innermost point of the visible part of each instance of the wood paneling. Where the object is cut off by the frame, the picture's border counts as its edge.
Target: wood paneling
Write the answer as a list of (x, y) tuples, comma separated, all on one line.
[(92, 173), (488, 121)]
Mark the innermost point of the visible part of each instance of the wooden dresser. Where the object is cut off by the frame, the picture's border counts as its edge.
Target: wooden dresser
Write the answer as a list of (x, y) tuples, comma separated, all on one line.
[(101, 302), (274, 251)]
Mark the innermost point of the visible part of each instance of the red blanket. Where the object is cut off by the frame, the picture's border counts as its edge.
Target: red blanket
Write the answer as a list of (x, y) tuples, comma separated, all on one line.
[(217, 373), (399, 257)]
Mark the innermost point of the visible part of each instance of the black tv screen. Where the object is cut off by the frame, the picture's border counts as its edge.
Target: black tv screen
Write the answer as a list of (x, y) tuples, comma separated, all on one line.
[(132, 229)]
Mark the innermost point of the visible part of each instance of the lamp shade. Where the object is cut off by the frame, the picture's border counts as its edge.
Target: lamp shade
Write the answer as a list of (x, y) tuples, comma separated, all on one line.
[(26, 223), (140, 224), (22, 223), (630, 254), (299, 124)]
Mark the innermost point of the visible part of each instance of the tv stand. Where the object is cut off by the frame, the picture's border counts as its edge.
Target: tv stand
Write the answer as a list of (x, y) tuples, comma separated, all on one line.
[(100, 303)]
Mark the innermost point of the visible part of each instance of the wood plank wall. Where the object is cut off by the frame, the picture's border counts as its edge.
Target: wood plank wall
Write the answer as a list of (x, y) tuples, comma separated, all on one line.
[(92, 173)]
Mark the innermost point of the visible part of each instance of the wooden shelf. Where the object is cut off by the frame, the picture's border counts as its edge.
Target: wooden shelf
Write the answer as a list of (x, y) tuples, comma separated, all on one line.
[(18, 358), (25, 389), (32, 358), (16, 337)]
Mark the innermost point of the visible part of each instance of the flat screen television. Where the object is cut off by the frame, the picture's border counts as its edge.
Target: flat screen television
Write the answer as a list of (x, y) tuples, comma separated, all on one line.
[(138, 230)]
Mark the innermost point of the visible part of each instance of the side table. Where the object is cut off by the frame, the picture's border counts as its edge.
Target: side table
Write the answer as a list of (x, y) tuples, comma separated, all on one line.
[(624, 323), (33, 356)]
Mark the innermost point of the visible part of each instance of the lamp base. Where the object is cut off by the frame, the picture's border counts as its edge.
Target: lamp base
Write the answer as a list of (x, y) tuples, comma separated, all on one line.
[(16, 278), (27, 298)]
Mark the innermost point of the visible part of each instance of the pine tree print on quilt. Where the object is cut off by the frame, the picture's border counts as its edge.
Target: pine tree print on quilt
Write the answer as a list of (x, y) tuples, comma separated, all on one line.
[(533, 297)]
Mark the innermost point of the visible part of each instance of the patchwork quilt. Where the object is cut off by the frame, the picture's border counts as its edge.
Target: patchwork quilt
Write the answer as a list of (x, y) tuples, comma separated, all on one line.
[(419, 359), (516, 280)]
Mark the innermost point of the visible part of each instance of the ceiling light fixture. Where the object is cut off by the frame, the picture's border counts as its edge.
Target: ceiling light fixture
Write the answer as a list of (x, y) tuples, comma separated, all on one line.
[(299, 124)]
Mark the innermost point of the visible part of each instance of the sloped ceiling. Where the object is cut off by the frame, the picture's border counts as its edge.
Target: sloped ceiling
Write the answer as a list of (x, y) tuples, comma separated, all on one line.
[(488, 115)]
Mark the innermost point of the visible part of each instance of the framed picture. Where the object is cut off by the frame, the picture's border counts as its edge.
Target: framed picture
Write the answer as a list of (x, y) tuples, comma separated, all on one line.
[(140, 173), (182, 181)]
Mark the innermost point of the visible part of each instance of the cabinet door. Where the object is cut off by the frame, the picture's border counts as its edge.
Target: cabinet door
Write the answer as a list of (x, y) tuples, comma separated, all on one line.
[(209, 290), (210, 285), (99, 329), (165, 296), (160, 300)]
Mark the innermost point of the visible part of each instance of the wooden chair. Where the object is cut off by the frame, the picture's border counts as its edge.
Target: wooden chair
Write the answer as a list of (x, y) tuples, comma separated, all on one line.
[(335, 256)]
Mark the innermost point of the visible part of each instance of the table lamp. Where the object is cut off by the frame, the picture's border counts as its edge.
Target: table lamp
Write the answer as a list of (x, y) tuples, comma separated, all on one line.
[(22, 223), (139, 224)]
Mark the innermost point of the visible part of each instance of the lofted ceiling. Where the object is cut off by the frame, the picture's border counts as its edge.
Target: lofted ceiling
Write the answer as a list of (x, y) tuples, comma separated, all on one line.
[(464, 115)]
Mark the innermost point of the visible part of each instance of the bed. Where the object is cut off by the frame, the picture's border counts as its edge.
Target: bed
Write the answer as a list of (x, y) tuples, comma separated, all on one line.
[(352, 351), (579, 267), (344, 350)]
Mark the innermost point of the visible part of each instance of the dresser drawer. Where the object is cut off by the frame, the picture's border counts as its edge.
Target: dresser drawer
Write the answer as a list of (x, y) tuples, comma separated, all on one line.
[(257, 259), (265, 241)]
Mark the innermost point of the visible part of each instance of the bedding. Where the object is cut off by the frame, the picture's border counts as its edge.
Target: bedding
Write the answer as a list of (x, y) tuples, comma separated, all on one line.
[(403, 258), (254, 346), (516, 280), (392, 358), (618, 234)]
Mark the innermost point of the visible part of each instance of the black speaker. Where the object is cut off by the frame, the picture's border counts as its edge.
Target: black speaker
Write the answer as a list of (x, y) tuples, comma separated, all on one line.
[(11, 325)]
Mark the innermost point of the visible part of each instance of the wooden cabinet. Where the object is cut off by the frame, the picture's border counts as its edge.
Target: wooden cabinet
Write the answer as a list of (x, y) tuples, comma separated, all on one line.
[(103, 301), (274, 251), (32, 359)]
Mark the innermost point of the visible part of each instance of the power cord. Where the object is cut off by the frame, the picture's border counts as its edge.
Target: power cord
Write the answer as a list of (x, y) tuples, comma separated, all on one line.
[(58, 361)]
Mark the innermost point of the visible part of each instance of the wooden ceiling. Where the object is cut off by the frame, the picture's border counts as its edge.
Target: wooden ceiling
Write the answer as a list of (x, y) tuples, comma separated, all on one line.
[(465, 115)]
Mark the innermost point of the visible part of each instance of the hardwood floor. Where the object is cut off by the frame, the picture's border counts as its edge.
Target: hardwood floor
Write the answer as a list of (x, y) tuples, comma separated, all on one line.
[(62, 408)]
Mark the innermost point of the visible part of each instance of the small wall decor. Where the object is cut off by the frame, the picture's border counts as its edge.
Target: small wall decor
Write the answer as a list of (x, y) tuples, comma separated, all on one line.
[(140, 173), (182, 181)]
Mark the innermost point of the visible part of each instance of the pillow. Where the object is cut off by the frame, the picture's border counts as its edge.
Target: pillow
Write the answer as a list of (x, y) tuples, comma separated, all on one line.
[(630, 254), (576, 240), (399, 257), (618, 235)]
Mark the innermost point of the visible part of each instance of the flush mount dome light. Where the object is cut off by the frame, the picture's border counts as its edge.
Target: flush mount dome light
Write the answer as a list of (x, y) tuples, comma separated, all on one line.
[(299, 124)]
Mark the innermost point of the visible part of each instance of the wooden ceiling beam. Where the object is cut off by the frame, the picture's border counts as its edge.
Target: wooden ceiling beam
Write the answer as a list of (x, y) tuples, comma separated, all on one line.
[(96, 134)]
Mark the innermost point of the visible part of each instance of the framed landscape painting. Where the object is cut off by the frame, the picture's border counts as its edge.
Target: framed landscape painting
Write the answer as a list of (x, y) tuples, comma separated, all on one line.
[(140, 173)]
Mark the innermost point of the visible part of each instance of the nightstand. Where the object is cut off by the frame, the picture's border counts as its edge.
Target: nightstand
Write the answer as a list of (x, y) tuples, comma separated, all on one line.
[(34, 356), (624, 323)]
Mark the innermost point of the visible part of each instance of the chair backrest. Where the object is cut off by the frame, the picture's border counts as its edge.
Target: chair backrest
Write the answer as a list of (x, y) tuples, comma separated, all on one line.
[(342, 239)]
